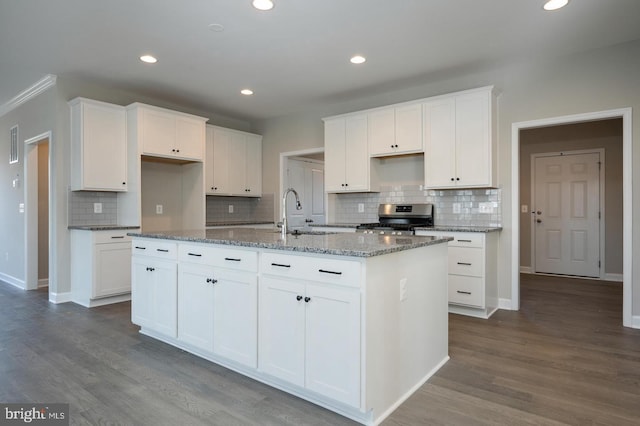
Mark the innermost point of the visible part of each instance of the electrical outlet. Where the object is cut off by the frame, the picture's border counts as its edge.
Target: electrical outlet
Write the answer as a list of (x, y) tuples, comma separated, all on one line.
[(485, 208), (456, 207), (403, 289), (21, 208), (524, 208), (360, 207), (230, 208), (159, 208), (97, 207)]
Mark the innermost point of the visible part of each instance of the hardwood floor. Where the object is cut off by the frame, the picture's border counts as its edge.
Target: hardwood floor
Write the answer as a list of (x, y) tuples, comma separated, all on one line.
[(563, 359)]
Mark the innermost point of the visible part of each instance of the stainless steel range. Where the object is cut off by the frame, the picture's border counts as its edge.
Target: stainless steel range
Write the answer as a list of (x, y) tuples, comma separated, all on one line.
[(399, 219)]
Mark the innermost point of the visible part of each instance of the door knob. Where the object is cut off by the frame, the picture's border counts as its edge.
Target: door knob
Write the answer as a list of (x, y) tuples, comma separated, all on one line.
[(538, 212), (538, 220)]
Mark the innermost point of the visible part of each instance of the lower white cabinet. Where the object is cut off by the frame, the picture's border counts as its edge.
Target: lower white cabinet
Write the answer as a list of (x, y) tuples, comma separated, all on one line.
[(154, 292), (217, 311), (472, 279), (310, 331), (100, 265)]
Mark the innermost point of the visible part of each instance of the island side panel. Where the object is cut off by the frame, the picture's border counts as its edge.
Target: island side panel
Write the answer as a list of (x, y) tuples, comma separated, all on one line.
[(406, 340)]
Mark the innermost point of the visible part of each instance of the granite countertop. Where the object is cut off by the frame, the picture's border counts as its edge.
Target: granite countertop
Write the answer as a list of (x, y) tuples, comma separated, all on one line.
[(334, 225), (451, 228), (239, 223), (341, 244), (101, 227)]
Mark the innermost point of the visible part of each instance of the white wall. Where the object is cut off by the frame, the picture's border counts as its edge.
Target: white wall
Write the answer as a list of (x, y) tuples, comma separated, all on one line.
[(593, 81)]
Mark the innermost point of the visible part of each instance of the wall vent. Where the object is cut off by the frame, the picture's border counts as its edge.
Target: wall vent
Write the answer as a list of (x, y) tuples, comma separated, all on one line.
[(13, 150)]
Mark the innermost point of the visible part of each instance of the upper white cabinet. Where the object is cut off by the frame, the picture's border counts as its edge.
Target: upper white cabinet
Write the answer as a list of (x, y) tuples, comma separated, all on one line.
[(165, 133), (460, 147), (348, 167), (395, 130), (233, 163), (98, 146)]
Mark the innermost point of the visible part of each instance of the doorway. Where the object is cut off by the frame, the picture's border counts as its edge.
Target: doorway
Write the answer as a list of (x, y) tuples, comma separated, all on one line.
[(38, 190), (304, 171), (627, 210), (567, 212)]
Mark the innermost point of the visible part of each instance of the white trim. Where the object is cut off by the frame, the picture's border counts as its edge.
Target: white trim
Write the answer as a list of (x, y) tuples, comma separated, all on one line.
[(284, 156), (601, 198), (59, 297), (12, 281), (635, 321), (505, 304), (29, 93), (613, 277), (526, 269), (627, 151), (43, 282)]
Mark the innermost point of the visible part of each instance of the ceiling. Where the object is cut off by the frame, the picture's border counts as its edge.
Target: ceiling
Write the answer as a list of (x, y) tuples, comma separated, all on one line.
[(293, 57)]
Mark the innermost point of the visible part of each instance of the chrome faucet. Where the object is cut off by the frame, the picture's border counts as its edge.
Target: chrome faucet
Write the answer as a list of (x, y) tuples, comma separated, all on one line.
[(284, 209)]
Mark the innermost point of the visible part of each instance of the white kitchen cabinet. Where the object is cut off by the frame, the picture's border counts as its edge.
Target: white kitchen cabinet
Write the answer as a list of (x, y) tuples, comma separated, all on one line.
[(233, 163), (396, 130), (98, 146), (154, 286), (459, 140), (348, 167), (100, 266), (472, 279), (169, 134), (310, 330)]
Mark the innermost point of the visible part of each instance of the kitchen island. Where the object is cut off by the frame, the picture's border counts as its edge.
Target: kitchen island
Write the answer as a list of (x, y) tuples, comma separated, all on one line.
[(352, 322)]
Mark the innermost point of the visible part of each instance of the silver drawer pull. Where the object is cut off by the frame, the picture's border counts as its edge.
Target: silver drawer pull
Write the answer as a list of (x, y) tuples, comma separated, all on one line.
[(324, 271), (464, 292), (231, 259), (195, 254), (117, 236), (464, 263), (281, 265), (163, 250), (464, 241)]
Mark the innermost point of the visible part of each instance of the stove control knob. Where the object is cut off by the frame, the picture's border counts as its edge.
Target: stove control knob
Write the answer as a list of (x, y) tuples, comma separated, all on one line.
[(381, 232)]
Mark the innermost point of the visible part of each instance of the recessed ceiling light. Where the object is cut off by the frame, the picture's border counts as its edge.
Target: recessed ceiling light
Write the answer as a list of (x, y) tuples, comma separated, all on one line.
[(555, 4), (247, 92), (262, 4), (216, 28), (148, 59), (358, 59)]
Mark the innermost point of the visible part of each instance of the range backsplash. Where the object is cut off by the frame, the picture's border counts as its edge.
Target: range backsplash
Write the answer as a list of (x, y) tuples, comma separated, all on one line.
[(81, 208), (245, 209), (468, 207)]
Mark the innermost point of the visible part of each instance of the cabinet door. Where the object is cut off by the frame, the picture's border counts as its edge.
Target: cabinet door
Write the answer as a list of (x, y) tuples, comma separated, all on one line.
[(235, 316), (208, 161), (332, 352), (281, 344), (142, 285), (237, 171), (221, 143), (190, 136), (195, 305), (356, 154), (165, 298), (473, 139), (409, 128), (439, 143), (382, 132), (158, 133), (113, 269), (334, 155), (254, 166), (104, 148)]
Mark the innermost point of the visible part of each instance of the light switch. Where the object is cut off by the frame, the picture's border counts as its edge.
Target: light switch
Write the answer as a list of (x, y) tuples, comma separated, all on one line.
[(159, 209), (230, 208), (524, 208), (360, 207)]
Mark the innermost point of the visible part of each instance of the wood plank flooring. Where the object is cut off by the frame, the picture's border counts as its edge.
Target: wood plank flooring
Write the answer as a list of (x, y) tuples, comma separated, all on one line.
[(563, 359)]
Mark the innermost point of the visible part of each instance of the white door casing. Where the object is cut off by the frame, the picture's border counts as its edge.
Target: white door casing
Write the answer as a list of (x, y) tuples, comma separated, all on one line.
[(307, 178), (566, 213)]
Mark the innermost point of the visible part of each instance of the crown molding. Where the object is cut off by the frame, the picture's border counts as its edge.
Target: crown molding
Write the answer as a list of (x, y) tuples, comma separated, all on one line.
[(29, 93)]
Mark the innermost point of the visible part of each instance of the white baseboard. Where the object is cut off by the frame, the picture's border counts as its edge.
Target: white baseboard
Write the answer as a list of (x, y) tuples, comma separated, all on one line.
[(635, 321), (505, 304), (60, 297), (613, 277), (43, 282), (12, 281), (526, 270)]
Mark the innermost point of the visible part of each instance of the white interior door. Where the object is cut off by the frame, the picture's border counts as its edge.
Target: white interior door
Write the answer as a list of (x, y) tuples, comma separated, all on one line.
[(307, 178), (567, 214)]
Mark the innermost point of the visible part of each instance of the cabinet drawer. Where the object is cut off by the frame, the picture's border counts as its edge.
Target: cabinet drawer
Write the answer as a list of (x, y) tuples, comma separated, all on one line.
[(222, 257), (472, 239), (335, 271), (160, 249), (111, 236), (466, 291), (466, 261)]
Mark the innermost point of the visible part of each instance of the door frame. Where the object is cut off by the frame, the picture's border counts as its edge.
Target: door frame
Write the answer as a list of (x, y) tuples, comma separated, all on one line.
[(284, 158), (601, 227), (31, 211), (627, 208)]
